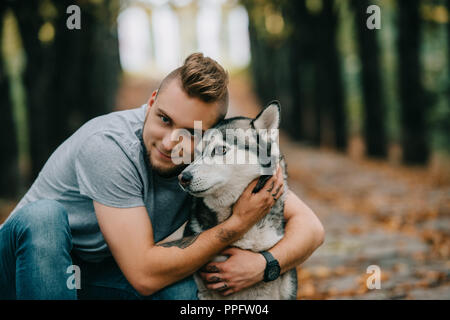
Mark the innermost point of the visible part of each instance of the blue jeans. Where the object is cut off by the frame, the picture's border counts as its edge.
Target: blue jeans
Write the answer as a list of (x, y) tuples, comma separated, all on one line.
[(35, 252)]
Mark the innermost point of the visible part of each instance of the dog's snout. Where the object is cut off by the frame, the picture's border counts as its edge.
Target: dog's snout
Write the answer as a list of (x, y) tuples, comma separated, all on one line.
[(185, 178)]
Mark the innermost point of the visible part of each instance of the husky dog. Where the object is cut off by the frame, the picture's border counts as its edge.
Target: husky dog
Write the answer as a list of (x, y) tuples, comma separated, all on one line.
[(218, 186)]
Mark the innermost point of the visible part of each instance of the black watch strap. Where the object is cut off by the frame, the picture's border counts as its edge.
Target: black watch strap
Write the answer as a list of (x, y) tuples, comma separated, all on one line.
[(268, 256), (273, 269)]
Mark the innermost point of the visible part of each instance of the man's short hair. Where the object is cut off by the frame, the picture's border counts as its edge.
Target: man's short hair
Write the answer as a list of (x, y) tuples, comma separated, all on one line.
[(203, 78)]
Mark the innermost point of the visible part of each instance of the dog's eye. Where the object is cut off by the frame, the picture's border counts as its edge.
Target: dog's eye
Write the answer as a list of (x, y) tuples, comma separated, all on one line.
[(219, 151)]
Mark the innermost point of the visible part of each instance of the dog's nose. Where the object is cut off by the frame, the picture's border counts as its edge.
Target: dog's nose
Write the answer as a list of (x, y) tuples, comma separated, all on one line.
[(185, 178)]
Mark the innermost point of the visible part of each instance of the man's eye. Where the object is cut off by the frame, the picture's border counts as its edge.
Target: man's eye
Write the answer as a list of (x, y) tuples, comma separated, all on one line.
[(164, 119)]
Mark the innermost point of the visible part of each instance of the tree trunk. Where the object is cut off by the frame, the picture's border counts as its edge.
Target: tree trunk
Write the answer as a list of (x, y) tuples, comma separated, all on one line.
[(329, 88), (37, 80), (374, 118), (305, 114), (413, 110), (9, 182)]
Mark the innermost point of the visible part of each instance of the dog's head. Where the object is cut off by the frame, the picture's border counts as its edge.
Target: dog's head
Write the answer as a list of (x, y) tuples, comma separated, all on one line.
[(234, 153)]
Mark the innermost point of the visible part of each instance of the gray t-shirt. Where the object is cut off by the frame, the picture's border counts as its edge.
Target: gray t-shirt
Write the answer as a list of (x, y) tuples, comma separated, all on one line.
[(105, 160)]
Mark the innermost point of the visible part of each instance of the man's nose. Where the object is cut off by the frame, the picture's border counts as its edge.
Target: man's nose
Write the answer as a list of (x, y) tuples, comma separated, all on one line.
[(185, 178), (167, 143)]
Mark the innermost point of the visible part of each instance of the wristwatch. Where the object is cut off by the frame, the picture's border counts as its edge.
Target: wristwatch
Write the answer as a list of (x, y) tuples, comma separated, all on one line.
[(273, 269)]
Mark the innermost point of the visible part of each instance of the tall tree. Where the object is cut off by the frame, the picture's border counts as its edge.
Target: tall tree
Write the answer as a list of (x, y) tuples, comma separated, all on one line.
[(8, 140), (329, 87), (412, 102), (303, 116), (315, 80), (271, 63), (374, 127)]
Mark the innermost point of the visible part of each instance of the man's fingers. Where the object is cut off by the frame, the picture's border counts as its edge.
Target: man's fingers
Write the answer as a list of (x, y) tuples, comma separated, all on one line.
[(267, 194), (250, 187), (278, 189), (230, 251), (221, 286), (210, 268), (227, 292), (210, 277), (271, 185), (278, 192)]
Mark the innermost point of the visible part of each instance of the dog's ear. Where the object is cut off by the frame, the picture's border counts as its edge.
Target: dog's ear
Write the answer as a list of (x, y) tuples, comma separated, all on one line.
[(269, 118)]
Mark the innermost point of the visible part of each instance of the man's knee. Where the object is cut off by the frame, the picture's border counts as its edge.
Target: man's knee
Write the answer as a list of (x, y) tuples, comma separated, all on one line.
[(45, 220), (43, 213)]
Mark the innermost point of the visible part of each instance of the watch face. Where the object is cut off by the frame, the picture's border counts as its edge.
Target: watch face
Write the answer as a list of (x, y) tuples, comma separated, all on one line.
[(273, 272)]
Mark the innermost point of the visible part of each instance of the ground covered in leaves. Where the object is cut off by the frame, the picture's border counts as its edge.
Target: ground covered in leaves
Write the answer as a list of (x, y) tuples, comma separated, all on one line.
[(373, 214)]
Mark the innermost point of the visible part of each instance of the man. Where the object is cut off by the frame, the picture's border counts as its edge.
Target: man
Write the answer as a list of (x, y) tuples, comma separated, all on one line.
[(109, 194)]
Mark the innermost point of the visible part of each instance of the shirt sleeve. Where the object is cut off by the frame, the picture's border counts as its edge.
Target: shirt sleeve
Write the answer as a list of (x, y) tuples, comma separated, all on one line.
[(106, 174)]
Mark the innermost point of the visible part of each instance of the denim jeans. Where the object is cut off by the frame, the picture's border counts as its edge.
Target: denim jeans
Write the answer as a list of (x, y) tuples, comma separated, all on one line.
[(35, 252)]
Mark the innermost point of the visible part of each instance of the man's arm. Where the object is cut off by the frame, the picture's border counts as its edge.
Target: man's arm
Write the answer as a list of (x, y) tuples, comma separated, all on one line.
[(150, 267), (303, 235)]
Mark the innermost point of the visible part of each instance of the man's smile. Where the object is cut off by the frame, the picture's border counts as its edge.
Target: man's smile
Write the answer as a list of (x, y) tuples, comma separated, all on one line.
[(163, 156)]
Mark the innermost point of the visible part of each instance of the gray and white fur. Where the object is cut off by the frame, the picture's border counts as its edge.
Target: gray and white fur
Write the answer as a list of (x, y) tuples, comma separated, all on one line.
[(216, 187)]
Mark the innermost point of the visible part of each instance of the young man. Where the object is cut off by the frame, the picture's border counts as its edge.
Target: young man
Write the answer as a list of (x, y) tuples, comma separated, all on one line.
[(109, 194)]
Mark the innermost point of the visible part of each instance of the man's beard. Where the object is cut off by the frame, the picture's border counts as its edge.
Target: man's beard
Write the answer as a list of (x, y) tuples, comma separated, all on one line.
[(165, 173)]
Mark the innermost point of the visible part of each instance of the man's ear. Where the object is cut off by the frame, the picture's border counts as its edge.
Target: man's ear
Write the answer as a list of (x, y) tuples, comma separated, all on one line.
[(152, 99), (269, 118)]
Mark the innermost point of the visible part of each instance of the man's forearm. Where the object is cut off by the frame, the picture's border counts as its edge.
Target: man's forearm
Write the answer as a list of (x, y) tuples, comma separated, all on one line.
[(303, 235), (297, 245), (168, 262)]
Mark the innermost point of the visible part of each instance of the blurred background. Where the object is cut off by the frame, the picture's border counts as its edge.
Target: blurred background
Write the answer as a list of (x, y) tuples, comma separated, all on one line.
[(365, 113)]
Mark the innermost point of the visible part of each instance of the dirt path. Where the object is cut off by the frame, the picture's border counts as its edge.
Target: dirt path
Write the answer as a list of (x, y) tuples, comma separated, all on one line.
[(372, 216)]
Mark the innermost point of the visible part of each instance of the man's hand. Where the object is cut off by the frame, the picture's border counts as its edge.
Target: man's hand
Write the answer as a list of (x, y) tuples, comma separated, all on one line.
[(243, 269), (252, 207)]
